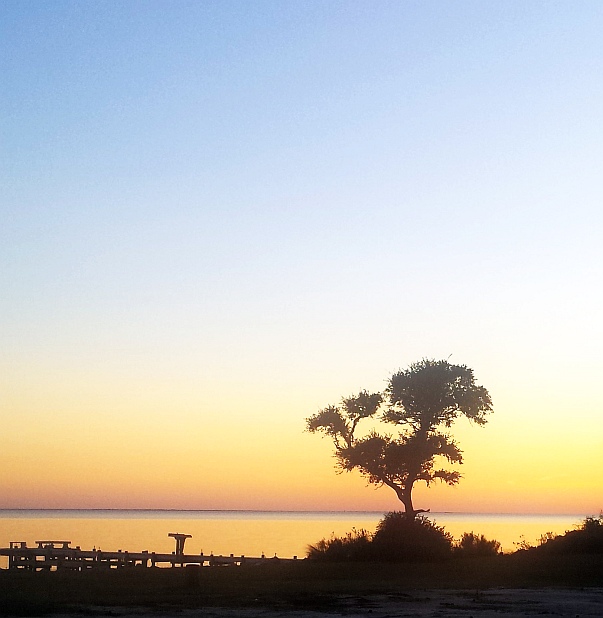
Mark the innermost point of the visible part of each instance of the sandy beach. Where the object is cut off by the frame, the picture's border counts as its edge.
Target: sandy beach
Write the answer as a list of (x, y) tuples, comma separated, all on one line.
[(493, 603)]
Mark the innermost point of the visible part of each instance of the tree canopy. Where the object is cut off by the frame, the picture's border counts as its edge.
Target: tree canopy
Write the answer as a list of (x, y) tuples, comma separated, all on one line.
[(422, 402)]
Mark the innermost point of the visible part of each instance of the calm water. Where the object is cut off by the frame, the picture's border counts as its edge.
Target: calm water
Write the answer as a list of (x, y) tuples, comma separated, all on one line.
[(250, 533)]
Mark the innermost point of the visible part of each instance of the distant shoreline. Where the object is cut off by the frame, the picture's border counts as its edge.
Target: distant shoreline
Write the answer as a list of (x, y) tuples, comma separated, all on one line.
[(284, 511)]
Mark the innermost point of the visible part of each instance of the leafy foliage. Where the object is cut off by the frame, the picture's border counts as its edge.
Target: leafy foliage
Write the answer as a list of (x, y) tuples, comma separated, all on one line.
[(400, 539), (352, 546), (431, 393), (546, 537), (397, 539), (339, 422), (420, 402), (473, 545), (586, 539)]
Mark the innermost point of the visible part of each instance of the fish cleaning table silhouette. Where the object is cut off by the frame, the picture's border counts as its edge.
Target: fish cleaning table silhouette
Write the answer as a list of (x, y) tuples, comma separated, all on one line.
[(180, 539)]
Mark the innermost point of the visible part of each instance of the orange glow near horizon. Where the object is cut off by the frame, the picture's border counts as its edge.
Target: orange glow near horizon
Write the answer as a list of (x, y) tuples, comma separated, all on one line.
[(164, 448), (290, 471), (291, 202)]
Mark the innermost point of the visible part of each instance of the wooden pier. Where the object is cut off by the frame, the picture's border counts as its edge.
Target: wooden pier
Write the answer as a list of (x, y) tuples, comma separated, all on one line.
[(59, 555)]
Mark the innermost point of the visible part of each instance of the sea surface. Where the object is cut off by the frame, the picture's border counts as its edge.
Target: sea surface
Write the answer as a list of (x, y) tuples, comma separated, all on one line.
[(249, 533)]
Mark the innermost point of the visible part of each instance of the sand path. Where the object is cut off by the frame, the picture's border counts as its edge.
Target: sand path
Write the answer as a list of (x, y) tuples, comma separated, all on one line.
[(494, 603)]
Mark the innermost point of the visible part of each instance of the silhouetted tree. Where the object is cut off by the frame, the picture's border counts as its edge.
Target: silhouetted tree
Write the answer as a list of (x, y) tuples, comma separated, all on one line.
[(421, 401)]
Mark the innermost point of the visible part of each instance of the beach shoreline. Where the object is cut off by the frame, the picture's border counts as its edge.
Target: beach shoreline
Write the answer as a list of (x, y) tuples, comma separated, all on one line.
[(489, 603), (524, 584)]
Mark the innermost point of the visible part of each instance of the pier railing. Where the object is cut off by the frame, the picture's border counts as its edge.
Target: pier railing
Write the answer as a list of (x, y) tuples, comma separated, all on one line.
[(59, 555)]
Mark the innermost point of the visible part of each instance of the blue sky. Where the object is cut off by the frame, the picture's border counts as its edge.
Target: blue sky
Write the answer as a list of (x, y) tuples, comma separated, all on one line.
[(226, 206)]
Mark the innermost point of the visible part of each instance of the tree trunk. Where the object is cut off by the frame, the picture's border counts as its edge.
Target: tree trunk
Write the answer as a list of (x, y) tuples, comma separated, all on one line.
[(405, 496), (406, 499)]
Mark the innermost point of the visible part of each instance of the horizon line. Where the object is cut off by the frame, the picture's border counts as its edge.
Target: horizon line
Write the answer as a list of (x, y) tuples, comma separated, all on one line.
[(184, 510)]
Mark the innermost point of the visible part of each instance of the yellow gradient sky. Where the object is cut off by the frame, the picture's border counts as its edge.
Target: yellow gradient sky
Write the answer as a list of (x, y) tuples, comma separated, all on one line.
[(218, 218)]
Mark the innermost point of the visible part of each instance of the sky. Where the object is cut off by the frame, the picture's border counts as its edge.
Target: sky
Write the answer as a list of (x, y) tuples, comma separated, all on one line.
[(221, 217)]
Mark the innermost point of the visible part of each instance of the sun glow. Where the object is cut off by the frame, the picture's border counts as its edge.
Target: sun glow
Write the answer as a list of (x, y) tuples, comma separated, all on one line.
[(211, 233)]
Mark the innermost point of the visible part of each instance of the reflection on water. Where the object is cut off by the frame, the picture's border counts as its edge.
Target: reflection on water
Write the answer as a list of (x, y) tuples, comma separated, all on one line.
[(250, 533)]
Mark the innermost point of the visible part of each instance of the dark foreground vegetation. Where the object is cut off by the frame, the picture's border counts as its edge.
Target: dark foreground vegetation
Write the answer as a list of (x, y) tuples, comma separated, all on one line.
[(399, 539), (571, 560), (304, 585)]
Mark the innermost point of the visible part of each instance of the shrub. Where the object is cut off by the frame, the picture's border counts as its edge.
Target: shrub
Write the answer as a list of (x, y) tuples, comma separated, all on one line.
[(523, 544), (586, 539), (471, 544), (399, 539), (353, 546), (546, 538), (592, 526)]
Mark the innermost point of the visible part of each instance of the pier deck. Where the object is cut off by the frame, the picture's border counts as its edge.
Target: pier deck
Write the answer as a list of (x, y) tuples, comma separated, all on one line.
[(59, 555)]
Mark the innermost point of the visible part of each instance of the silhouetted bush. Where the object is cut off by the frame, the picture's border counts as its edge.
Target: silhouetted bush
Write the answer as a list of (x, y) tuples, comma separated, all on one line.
[(587, 539), (397, 539), (546, 537), (476, 545), (354, 545)]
